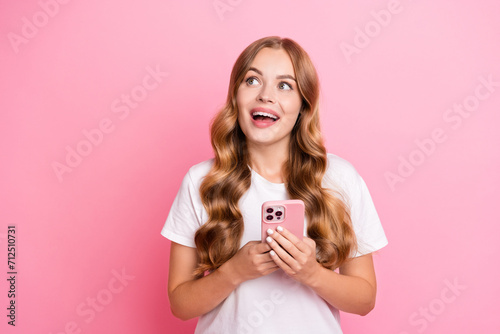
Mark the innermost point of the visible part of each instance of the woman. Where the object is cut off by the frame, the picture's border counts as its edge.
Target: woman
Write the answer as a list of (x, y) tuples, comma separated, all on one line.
[(268, 146)]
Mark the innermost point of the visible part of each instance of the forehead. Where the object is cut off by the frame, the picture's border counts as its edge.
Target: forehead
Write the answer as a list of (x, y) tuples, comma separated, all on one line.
[(273, 62)]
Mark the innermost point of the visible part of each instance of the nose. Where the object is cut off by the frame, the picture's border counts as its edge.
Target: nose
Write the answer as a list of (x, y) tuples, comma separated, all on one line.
[(266, 94)]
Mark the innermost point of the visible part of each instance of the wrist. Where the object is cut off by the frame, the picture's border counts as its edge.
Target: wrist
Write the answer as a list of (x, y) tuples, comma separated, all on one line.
[(229, 275), (316, 279)]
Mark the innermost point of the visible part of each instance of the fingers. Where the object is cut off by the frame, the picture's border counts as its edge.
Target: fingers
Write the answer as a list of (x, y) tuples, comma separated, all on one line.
[(287, 240), (253, 260), (295, 248), (260, 251), (287, 234), (282, 253), (280, 256), (262, 247), (270, 270), (297, 258), (277, 259), (271, 265), (300, 244)]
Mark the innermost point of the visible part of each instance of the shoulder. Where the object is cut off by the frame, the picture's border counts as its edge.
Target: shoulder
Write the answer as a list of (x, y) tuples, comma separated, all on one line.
[(340, 169), (196, 173), (342, 177), (201, 169)]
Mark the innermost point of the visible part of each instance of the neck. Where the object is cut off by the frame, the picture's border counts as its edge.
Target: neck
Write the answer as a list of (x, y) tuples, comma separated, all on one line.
[(267, 160)]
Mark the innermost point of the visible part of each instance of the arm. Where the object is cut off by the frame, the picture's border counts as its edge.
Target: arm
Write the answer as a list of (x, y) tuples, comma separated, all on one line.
[(352, 290), (190, 297)]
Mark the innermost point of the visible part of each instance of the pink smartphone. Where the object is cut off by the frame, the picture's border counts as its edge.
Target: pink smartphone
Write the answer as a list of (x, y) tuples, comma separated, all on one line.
[(288, 214)]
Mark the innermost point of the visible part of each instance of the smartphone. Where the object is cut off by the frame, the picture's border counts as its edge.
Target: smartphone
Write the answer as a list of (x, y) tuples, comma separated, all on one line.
[(288, 214)]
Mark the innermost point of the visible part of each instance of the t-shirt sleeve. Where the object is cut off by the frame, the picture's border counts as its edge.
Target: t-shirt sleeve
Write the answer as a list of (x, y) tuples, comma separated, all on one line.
[(185, 215), (366, 222), (346, 182)]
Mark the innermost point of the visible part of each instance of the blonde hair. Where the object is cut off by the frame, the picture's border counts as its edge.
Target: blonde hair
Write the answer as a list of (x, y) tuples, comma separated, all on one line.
[(329, 222)]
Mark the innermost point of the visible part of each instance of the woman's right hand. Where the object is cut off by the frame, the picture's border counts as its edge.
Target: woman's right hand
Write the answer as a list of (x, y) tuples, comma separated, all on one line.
[(191, 297), (251, 261)]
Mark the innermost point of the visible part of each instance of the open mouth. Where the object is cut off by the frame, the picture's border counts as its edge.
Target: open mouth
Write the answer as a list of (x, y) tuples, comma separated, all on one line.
[(264, 117)]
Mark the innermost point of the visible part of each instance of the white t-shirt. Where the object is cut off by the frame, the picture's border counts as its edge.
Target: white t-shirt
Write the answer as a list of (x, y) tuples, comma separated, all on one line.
[(274, 303)]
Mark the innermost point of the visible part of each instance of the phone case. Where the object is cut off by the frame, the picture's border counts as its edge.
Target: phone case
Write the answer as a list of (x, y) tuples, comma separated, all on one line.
[(288, 214)]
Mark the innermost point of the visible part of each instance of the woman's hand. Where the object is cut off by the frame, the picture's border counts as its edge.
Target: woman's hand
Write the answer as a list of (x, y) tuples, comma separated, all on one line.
[(251, 261), (352, 290), (296, 257), (191, 297)]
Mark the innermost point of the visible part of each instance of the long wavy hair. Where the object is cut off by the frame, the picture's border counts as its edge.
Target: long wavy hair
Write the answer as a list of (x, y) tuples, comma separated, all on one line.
[(329, 222)]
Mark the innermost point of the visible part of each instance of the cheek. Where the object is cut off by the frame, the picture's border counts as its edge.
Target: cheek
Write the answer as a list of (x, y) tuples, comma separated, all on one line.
[(298, 103), (239, 103), (293, 101), (242, 116), (292, 111), (292, 107), (242, 96)]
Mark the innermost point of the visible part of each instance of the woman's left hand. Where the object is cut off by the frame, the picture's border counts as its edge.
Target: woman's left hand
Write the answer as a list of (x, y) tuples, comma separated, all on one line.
[(296, 257)]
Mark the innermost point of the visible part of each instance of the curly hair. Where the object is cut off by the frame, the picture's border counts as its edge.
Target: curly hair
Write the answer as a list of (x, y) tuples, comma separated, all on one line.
[(329, 222)]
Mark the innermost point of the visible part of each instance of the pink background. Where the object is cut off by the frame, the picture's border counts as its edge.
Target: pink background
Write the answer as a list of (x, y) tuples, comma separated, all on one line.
[(65, 70)]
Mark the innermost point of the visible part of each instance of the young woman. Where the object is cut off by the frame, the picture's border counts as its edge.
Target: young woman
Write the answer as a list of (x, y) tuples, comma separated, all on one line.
[(268, 146)]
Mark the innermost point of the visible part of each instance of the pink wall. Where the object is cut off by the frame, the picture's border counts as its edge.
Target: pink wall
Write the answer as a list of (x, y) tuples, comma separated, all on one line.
[(411, 96)]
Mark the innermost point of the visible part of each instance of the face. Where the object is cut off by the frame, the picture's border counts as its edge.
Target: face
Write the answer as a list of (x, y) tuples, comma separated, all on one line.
[(268, 99)]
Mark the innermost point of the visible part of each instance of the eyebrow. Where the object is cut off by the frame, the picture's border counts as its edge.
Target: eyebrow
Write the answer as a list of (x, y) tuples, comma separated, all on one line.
[(282, 76)]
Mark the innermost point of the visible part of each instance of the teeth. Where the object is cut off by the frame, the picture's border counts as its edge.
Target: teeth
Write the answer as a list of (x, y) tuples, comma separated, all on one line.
[(260, 113)]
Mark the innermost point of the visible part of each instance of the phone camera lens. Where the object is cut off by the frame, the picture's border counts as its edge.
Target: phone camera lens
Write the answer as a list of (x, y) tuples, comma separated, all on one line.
[(269, 210), (270, 217), (279, 213)]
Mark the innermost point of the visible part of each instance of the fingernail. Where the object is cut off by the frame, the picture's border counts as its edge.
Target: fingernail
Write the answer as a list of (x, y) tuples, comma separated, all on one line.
[(269, 231), (272, 253), (279, 228), (269, 239)]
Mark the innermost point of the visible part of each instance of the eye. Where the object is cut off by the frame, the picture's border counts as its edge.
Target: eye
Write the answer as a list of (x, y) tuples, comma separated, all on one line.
[(284, 86), (252, 81)]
